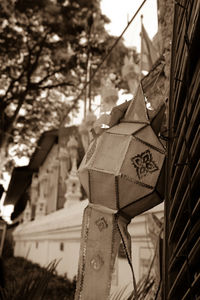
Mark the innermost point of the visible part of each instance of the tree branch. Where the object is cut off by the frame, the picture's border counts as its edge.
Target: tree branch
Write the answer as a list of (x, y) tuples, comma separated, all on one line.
[(34, 65), (52, 86), (14, 116), (50, 74)]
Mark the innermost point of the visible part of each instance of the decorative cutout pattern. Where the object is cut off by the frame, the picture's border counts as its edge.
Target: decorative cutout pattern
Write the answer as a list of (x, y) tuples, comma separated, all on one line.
[(144, 164), (97, 262), (101, 223)]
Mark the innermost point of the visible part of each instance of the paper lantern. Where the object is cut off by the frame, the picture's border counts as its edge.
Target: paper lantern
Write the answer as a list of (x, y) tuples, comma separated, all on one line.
[(125, 164), (122, 171)]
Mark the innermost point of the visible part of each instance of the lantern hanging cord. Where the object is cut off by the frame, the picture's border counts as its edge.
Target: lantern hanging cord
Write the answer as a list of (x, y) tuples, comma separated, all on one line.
[(105, 57)]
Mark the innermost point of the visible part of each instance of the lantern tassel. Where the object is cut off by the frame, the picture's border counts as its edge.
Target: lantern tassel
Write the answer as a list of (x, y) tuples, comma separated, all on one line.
[(102, 231), (99, 246), (126, 240)]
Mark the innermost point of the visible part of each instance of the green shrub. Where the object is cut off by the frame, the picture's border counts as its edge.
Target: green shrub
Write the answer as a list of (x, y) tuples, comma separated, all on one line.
[(27, 280)]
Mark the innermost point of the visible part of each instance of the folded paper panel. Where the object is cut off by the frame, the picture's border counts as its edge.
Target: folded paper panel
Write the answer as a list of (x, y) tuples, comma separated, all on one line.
[(136, 111), (86, 164), (91, 152), (84, 178), (141, 205), (130, 190), (99, 242), (160, 185), (157, 120), (89, 156), (117, 113), (142, 163), (126, 128), (103, 189), (148, 136), (110, 152)]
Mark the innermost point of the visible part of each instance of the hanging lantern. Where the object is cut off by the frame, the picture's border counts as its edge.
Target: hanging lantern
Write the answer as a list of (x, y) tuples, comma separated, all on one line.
[(123, 176)]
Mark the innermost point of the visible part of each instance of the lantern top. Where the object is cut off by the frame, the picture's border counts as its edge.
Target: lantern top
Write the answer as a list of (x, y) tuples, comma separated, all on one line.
[(123, 168), (137, 112)]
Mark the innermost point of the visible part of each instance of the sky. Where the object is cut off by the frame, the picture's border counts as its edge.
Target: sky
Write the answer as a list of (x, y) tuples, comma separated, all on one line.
[(120, 11)]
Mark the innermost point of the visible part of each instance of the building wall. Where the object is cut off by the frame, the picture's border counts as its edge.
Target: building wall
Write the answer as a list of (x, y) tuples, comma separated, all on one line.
[(50, 169), (57, 236), (54, 236)]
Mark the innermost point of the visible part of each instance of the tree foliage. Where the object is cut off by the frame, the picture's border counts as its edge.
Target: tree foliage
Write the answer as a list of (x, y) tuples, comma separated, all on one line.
[(44, 46)]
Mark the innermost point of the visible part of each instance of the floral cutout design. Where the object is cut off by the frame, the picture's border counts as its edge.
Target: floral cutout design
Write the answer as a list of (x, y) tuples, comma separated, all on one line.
[(97, 262), (144, 164), (101, 223)]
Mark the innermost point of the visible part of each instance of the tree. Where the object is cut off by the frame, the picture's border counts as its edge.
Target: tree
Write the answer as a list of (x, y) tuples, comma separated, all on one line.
[(44, 46)]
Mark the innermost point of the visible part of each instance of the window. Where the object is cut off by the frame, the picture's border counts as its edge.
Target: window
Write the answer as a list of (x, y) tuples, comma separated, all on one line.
[(62, 246)]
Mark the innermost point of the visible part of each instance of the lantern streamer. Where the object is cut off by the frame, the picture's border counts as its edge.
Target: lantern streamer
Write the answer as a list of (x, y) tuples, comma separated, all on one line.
[(102, 231), (126, 239), (99, 245)]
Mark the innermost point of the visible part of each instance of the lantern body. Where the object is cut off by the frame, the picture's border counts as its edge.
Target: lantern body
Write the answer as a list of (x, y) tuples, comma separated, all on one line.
[(123, 168)]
